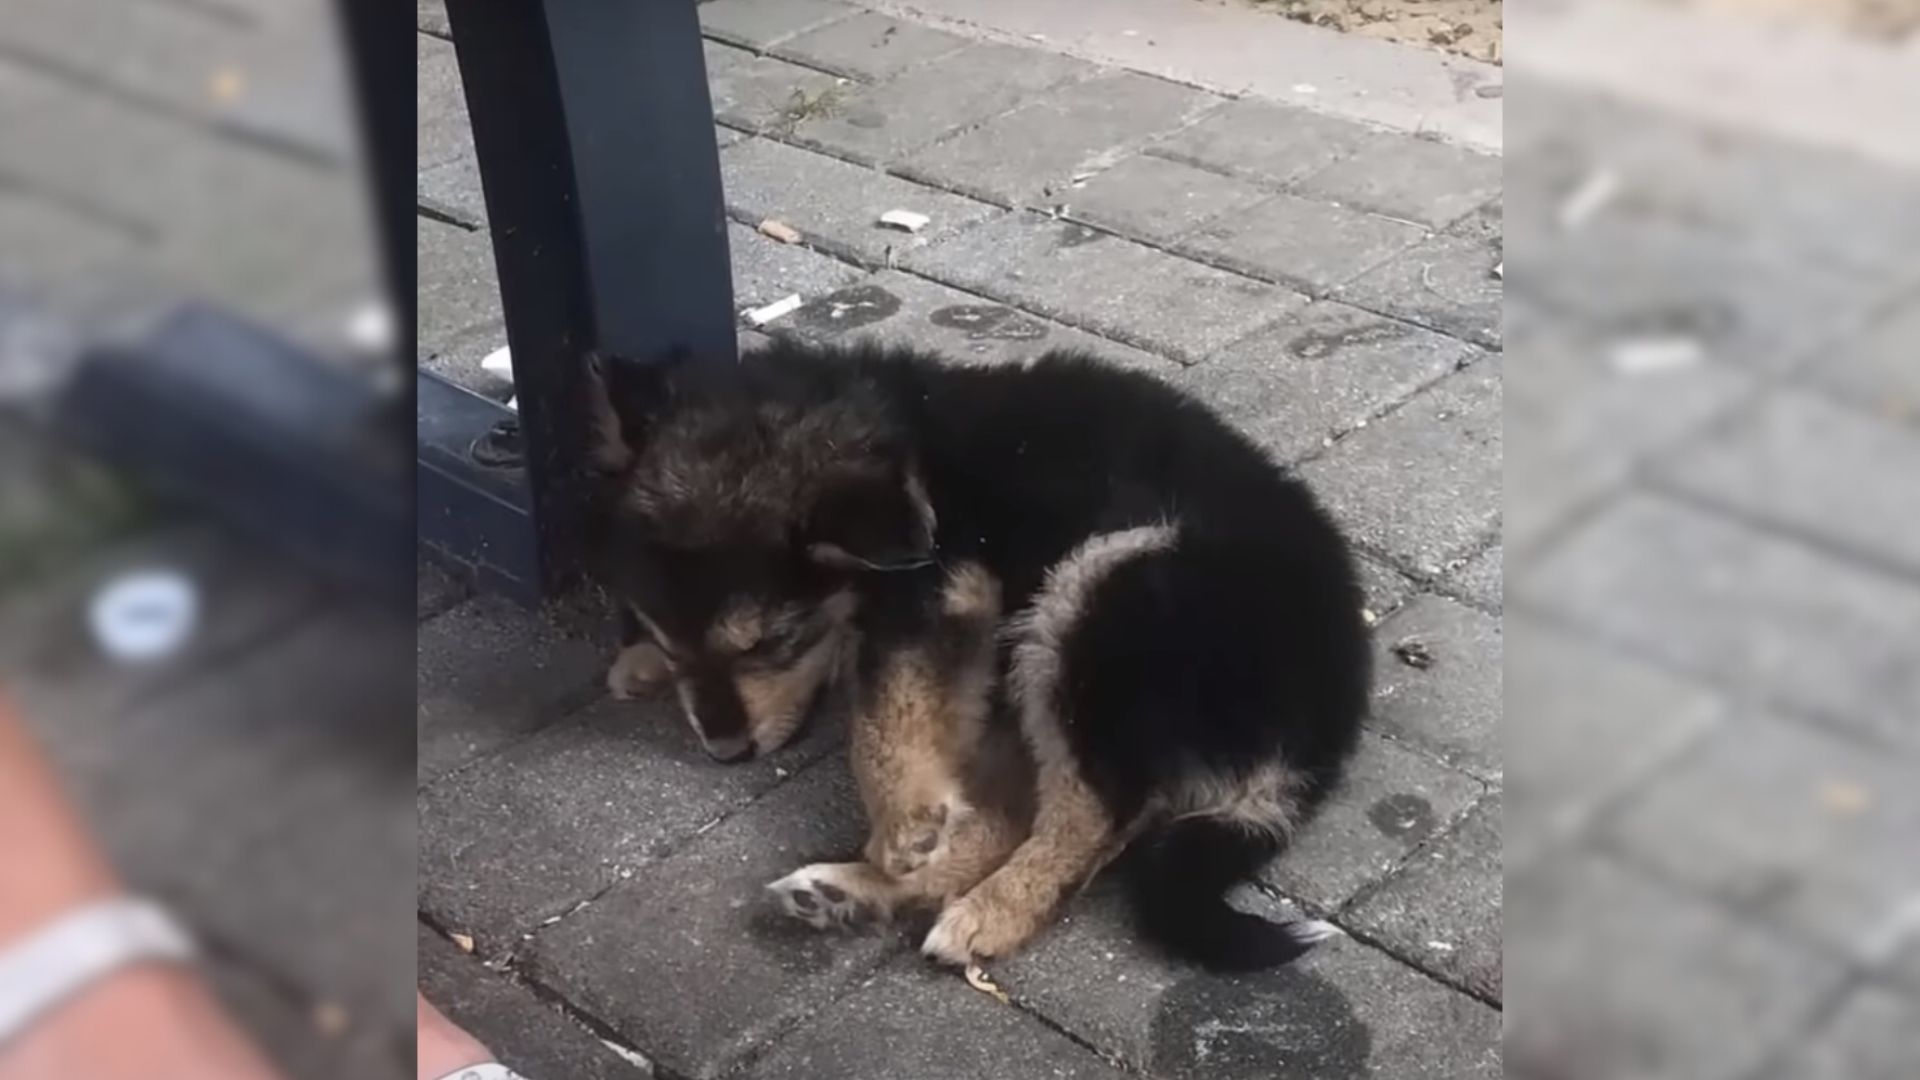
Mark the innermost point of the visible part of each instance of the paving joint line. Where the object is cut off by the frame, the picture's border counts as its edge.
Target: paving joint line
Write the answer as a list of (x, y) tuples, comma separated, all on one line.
[(223, 130), (1829, 723)]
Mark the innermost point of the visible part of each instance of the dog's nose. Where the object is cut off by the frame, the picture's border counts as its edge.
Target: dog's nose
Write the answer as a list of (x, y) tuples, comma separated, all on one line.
[(725, 750)]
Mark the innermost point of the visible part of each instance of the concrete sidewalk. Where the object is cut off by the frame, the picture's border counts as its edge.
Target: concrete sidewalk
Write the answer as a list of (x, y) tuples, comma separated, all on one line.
[(1327, 285)]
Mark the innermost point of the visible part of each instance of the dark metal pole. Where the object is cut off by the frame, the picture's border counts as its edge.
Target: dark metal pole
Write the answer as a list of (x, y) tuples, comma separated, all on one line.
[(594, 132)]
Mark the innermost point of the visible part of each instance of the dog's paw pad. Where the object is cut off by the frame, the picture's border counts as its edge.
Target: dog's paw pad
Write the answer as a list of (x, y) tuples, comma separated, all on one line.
[(812, 895)]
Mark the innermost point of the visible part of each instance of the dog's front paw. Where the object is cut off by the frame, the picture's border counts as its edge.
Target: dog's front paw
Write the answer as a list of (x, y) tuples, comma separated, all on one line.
[(825, 895), (951, 939)]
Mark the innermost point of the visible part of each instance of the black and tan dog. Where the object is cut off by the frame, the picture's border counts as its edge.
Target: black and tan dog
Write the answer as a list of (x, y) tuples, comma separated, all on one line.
[(1183, 658)]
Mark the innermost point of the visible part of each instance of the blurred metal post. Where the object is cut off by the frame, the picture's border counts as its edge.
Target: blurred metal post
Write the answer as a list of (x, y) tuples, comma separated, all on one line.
[(594, 133)]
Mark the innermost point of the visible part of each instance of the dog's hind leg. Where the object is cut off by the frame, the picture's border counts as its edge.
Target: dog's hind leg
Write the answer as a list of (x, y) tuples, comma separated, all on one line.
[(1072, 837)]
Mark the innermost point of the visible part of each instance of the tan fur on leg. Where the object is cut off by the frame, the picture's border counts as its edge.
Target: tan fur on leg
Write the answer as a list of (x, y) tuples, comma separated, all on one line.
[(1072, 837), (639, 670)]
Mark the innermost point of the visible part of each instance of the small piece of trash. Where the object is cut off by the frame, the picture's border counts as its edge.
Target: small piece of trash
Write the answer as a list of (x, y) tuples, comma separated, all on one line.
[(1413, 653), (633, 1057), (1036, 37), (781, 772), (330, 1019), (1845, 798), (761, 316), (1439, 946), (227, 85), (1367, 616), (1646, 356), (370, 327), (780, 231), (1500, 270), (499, 362), (1305, 88), (465, 941), (144, 616), (1593, 194), (978, 979), (905, 220)]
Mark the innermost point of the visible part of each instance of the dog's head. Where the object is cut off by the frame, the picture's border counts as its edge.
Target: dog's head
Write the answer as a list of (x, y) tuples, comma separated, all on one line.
[(736, 506)]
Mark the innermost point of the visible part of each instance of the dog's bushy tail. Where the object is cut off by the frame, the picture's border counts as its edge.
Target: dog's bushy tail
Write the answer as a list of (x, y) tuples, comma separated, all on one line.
[(1177, 878)]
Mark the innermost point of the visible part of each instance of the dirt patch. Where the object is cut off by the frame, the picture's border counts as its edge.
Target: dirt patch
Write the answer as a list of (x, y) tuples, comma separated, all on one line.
[(1881, 20), (1465, 27)]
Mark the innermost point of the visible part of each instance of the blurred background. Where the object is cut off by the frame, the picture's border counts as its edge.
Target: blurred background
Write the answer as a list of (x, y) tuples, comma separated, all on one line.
[(196, 360), (1713, 516)]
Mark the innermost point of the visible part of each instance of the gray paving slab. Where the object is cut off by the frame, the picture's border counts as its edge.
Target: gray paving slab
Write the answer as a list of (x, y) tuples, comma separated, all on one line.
[(835, 205), (1635, 280), (1876, 369), (766, 270), (459, 292), (900, 309), (1386, 589), (1442, 910), (692, 961), (435, 590), (530, 1036), (1781, 202), (1392, 801), (286, 770), (760, 93), (1031, 155), (1345, 1010), (1308, 244), (490, 672), (431, 17), (1481, 580), (1451, 706), (154, 53), (913, 1020), (1802, 463), (1258, 140), (1582, 423), (1869, 1038), (1157, 199), (870, 46), (1411, 179), (1752, 611), (45, 246), (287, 1030), (757, 24), (1583, 725), (1147, 298), (1318, 374), (885, 123), (443, 130), (555, 819), (1623, 978), (76, 695), (1790, 825), (1422, 484), (1446, 283), (1905, 967)]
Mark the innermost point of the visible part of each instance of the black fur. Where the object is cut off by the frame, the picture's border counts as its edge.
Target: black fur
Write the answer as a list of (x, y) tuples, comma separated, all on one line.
[(1240, 646)]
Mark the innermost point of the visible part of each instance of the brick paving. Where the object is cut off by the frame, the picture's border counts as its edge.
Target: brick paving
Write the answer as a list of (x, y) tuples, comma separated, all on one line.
[(1327, 286), (1713, 709)]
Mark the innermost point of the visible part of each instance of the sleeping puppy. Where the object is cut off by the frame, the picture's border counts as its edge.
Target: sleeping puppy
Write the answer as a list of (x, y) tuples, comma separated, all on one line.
[(1183, 658)]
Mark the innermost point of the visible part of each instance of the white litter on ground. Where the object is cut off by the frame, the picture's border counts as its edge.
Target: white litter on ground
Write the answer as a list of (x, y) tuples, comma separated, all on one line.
[(761, 316), (1592, 196), (1648, 356), (144, 616), (905, 220), (499, 361), (370, 327)]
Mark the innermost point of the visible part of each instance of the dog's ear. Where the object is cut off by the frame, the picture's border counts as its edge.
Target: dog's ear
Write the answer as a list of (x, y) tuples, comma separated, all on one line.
[(622, 396), (877, 520)]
